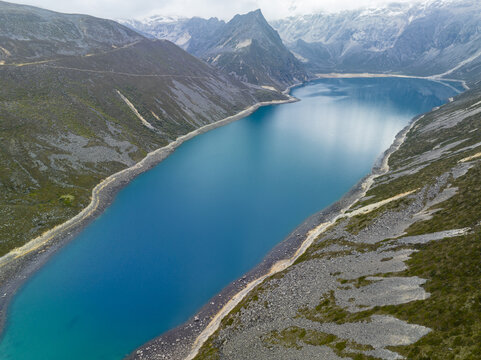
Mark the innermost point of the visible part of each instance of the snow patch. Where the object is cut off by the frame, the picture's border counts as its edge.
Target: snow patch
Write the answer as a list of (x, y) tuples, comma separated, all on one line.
[(183, 40), (244, 44), (216, 58), (267, 87), (299, 57)]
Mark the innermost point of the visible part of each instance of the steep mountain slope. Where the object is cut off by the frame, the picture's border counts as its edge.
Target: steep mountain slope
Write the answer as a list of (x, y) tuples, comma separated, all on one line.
[(246, 47), (67, 123), (33, 34), (422, 39), (249, 48)]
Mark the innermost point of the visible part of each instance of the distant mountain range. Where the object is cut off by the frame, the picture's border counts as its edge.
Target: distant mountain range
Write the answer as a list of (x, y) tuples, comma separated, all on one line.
[(246, 47), (194, 35), (428, 38), (421, 39)]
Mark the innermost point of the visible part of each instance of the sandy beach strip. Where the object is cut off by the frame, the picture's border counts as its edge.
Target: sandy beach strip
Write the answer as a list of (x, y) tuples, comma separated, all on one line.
[(437, 78)]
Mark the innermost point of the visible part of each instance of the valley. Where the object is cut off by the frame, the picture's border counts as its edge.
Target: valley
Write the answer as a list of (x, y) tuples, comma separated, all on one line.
[(217, 188)]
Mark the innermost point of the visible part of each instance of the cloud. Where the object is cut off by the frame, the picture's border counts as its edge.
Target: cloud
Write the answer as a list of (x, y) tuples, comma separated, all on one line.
[(272, 9)]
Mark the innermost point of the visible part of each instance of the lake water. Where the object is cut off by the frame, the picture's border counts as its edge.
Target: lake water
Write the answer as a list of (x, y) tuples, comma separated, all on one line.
[(210, 212)]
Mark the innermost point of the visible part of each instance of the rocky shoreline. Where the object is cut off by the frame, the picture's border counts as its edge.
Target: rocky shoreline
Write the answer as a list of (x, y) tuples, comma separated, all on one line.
[(19, 264), (179, 343), (176, 343), (377, 283)]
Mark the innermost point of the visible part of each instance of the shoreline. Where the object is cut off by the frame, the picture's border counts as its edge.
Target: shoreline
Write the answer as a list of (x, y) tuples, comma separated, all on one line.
[(28, 259), (359, 192), (17, 266), (437, 78), (184, 341)]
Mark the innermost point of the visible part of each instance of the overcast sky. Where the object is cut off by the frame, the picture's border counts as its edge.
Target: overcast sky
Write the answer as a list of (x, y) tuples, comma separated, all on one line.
[(224, 9)]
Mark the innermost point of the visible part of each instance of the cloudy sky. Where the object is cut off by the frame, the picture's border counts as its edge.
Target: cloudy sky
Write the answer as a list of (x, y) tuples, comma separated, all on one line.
[(272, 9)]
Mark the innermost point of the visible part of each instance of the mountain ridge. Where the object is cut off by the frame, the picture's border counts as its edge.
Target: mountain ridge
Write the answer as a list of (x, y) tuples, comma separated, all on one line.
[(246, 47), (419, 39), (32, 33)]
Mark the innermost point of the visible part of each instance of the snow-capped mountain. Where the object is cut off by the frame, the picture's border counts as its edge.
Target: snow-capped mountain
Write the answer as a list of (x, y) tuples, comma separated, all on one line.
[(246, 47), (423, 38), (192, 34)]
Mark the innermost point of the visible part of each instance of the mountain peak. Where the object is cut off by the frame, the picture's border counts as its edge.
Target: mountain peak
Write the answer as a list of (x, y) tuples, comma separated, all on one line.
[(246, 47), (257, 12), (255, 15)]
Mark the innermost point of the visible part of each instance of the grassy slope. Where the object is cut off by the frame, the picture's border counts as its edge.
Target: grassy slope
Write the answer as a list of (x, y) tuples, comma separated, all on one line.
[(31, 34), (62, 131)]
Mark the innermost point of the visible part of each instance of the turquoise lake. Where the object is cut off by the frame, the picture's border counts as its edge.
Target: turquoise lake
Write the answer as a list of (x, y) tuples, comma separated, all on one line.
[(209, 213)]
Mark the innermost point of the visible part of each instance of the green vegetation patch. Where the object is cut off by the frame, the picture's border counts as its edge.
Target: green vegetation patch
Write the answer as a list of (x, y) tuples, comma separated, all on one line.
[(453, 270), (315, 251), (453, 311), (424, 177), (418, 142), (360, 281), (295, 337), (329, 312), (362, 221), (209, 350), (462, 210), (67, 199)]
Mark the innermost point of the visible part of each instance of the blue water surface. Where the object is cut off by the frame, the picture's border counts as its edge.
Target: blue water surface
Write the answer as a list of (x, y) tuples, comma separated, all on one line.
[(211, 211)]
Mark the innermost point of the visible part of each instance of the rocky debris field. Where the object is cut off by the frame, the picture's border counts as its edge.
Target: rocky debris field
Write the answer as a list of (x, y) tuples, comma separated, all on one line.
[(387, 283)]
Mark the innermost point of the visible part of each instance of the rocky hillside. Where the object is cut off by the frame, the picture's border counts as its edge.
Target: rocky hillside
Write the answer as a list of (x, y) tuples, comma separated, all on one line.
[(249, 48), (397, 274), (68, 122), (246, 47), (425, 38), (32, 34)]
